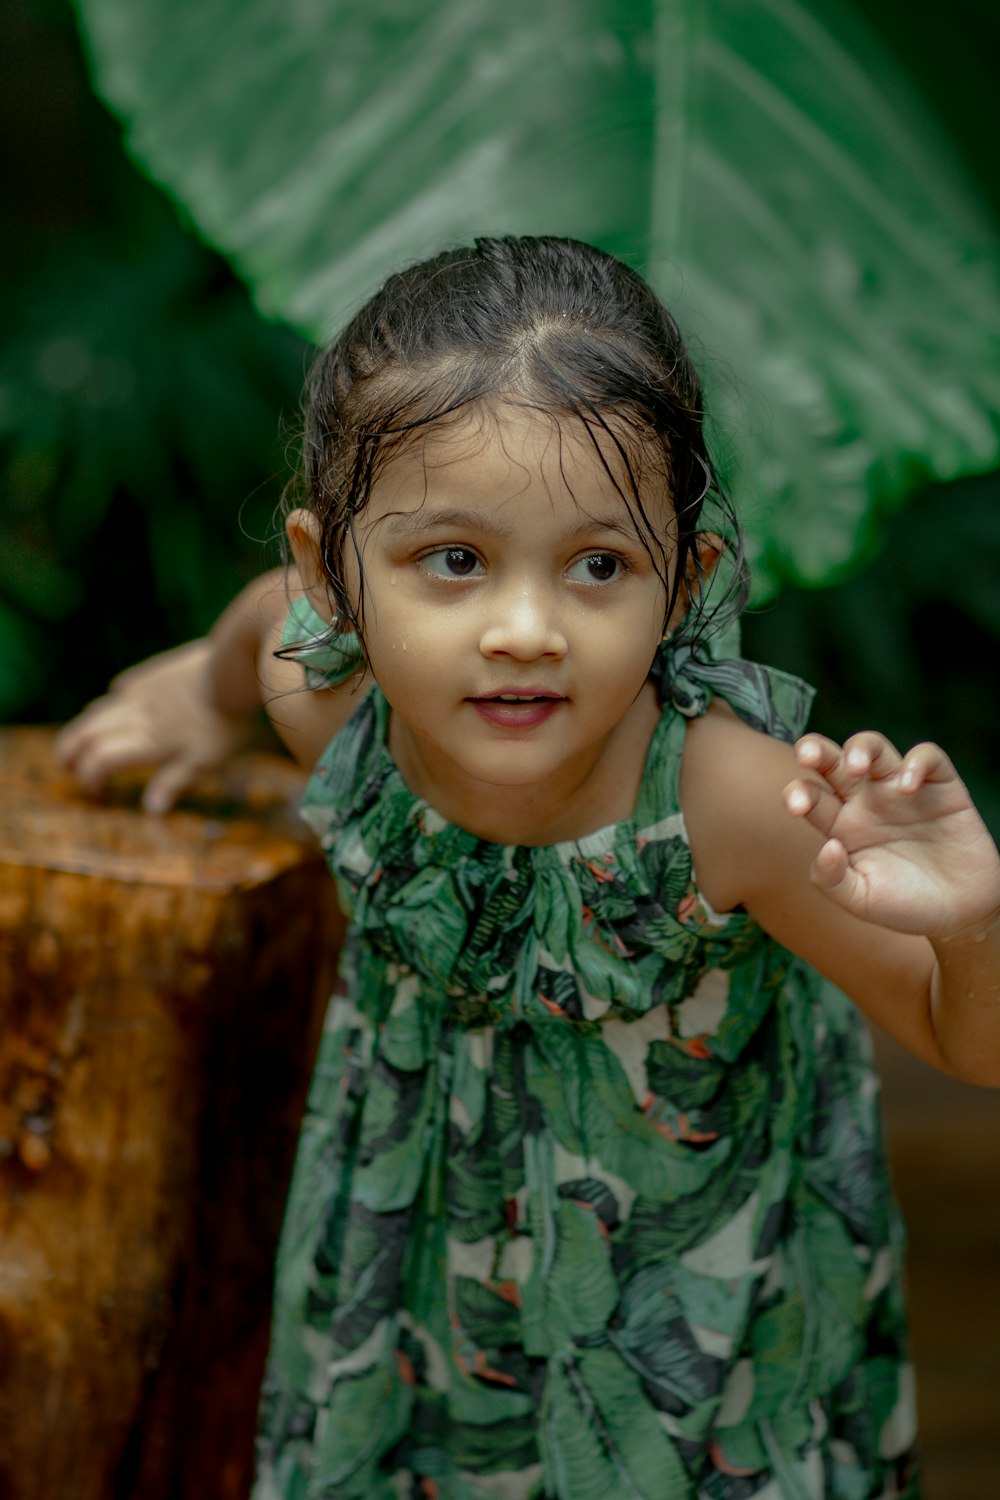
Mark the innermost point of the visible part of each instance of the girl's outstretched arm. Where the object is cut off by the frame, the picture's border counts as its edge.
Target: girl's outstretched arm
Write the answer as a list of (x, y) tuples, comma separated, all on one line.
[(884, 876), (189, 709)]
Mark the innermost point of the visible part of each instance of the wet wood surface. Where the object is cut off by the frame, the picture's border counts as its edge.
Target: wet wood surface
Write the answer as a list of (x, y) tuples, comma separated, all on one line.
[(159, 998)]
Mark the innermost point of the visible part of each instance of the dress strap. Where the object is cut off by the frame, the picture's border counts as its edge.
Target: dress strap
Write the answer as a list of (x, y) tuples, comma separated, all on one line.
[(690, 673), (329, 657)]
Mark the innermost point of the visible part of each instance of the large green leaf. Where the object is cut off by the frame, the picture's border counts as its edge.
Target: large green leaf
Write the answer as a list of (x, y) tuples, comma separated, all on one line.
[(764, 161), (826, 245)]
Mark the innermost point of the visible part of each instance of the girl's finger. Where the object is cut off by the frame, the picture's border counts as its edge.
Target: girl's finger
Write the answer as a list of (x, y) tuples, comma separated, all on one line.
[(871, 754), (73, 738), (831, 869), (813, 801), (817, 753), (106, 719), (104, 758), (166, 786), (923, 764)]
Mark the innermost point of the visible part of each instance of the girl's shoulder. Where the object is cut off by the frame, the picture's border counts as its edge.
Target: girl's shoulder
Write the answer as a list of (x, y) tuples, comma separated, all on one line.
[(305, 708)]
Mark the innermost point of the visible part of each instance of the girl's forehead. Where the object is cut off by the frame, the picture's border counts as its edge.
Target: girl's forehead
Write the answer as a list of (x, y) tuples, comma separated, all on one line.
[(498, 452)]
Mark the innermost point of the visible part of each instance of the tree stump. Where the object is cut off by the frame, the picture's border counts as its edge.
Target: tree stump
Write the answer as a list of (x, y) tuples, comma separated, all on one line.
[(162, 983)]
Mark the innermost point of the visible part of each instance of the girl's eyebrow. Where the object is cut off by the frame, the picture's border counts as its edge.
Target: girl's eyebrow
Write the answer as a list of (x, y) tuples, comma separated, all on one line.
[(407, 523)]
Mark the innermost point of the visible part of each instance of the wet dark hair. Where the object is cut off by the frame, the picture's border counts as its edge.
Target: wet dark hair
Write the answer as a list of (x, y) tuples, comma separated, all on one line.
[(545, 324)]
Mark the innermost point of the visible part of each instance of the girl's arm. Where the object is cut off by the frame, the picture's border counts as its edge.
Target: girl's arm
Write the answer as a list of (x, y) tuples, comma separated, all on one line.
[(884, 876), (194, 707)]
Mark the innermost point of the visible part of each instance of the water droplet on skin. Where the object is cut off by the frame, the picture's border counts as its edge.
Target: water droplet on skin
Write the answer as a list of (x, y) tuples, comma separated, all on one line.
[(404, 645)]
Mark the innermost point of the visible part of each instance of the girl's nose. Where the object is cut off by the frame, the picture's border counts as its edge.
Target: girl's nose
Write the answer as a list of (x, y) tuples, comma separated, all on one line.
[(522, 625)]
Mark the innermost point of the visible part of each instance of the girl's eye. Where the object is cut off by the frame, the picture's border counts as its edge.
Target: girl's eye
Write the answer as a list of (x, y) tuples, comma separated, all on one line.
[(599, 567), (451, 562)]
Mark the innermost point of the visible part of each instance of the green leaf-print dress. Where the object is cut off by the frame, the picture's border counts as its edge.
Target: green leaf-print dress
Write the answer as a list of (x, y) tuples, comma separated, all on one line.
[(590, 1199)]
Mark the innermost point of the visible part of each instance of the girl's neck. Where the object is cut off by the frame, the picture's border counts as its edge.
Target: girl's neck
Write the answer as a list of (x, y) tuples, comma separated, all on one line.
[(592, 793)]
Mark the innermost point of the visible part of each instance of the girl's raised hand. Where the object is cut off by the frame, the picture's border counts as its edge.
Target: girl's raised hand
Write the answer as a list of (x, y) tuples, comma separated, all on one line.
[(157, 714), (905, 847)]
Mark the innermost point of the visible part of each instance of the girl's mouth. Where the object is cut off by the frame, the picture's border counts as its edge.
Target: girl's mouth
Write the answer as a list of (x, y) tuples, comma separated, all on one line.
[(517, 710)]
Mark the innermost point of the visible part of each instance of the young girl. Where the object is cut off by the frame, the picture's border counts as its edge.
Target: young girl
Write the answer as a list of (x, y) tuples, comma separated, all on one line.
[(590, 1200)]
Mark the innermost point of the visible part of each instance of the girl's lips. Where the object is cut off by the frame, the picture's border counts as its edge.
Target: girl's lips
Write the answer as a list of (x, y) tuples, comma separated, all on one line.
[(522, 714)]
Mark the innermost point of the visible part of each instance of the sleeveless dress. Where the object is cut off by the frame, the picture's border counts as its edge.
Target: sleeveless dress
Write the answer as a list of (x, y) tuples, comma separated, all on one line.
[(590, 1199)]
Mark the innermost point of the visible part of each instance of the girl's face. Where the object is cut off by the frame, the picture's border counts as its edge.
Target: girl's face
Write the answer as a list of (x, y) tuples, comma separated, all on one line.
[(511, 613)]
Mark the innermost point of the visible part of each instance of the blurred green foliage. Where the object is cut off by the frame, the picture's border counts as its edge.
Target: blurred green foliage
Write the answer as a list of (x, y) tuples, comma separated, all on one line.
[(141, 397), (145, 409)]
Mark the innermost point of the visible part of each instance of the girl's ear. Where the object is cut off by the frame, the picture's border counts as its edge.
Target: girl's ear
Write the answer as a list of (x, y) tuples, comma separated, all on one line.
[(701, 563), (704, 560), (303, 531)]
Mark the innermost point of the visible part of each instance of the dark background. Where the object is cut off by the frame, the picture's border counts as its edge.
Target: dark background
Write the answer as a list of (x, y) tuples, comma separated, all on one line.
[(147, 413)]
